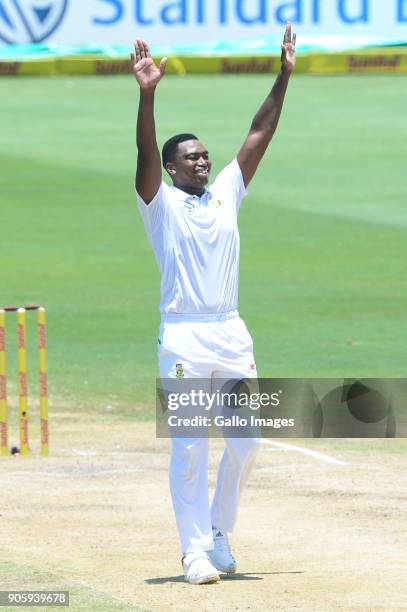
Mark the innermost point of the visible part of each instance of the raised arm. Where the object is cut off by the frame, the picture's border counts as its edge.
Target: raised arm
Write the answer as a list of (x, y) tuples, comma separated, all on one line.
[(266, 119), (148, 75)]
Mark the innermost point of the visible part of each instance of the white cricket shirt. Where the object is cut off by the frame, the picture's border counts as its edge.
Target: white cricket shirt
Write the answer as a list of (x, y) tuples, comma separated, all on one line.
[(196, 243)]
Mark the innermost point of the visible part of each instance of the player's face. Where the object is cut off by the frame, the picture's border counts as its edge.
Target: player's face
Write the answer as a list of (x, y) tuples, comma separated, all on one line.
[(192, 166)]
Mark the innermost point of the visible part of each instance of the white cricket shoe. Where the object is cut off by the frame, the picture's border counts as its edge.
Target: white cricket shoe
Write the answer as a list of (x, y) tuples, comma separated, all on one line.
[(221, 555), (198, 569)]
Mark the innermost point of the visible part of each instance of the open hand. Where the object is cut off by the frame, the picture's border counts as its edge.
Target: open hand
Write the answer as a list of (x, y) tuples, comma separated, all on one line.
[(288, 49), (148, 75)]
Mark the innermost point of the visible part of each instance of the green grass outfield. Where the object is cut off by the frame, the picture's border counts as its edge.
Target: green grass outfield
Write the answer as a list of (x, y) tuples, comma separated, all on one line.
[(324, 232)]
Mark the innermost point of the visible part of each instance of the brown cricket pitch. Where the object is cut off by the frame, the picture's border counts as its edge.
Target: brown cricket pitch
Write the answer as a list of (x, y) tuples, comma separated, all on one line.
[(310, 536)]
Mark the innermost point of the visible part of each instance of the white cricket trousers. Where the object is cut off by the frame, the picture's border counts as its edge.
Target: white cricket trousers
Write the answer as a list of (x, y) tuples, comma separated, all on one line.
[(210, 347)]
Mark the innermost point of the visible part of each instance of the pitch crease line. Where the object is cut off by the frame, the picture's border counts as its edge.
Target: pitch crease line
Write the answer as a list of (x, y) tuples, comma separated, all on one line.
[(306, 451)]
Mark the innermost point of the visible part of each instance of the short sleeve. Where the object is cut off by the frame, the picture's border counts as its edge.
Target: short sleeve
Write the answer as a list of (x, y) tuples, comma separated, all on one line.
[(153, 213), (231, 178)]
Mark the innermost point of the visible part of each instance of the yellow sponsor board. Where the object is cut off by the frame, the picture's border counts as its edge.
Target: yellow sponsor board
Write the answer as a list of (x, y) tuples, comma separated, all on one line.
[(39, 68), (181, 65), (91, 65), (9, 68), (29, 68), (372, 60)]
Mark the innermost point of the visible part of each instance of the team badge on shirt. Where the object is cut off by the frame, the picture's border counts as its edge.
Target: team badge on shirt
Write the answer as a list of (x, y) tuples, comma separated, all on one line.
[(179, 370), (189, 207), (216, 203)]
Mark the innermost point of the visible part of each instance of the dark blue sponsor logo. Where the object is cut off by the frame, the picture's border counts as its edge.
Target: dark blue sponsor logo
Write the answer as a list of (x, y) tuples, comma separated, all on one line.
[(30, 22)]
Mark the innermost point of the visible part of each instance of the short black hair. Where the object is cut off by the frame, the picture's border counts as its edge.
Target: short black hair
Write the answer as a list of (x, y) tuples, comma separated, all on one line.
[(171, 146)]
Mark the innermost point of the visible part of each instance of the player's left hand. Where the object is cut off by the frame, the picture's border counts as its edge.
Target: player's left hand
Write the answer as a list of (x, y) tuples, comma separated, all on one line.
[(288, 49)]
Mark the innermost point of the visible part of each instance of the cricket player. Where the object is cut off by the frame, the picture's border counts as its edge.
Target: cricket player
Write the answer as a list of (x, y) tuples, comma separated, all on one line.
[(193, 232)]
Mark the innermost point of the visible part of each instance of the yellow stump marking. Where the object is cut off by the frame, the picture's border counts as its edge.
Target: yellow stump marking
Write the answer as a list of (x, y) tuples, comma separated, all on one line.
[(22, 377), (43, 380), (3, 387)]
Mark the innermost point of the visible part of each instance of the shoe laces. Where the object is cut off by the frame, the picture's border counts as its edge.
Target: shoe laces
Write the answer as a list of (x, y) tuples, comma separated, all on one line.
[(222, 542)]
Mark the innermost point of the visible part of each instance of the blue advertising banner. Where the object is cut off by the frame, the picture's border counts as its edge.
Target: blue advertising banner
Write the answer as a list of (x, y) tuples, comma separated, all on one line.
[(169, 22)]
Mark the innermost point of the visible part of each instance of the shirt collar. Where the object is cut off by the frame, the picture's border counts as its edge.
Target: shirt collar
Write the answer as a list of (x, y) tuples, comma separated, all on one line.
[(183, 196)]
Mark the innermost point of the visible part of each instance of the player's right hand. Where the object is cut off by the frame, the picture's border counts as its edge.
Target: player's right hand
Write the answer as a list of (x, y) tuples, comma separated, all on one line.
[(148, 75), (288, 58)]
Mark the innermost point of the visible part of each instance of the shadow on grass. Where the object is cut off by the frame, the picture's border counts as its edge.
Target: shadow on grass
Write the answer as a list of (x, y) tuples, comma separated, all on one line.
[(246, 576)]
